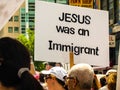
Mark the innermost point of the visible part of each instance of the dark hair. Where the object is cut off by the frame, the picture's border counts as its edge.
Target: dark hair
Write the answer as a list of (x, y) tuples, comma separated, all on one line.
[(13, 56), (29, 82), (62, 83), (50, 63), (41, 78), (103, 81)]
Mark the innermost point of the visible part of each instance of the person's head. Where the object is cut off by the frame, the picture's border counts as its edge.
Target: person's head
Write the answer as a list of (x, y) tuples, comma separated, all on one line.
[(55, 77), (15, 66), (13, 56), (58, 64), (110, 71), (111, 81), (80, 77), (49, 65)]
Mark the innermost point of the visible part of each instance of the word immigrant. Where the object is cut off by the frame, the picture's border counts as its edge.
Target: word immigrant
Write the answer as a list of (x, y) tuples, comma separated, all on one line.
[(77, 50)]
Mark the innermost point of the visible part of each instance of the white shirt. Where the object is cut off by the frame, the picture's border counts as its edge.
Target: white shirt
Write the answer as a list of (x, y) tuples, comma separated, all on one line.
[(104, 88)]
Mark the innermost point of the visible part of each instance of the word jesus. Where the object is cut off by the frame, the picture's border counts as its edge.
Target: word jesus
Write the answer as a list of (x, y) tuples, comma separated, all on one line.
[(68, 17)]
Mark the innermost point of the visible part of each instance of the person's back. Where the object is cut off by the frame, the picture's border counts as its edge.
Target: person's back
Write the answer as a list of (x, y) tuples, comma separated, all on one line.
[(14, 66), (80, 77)]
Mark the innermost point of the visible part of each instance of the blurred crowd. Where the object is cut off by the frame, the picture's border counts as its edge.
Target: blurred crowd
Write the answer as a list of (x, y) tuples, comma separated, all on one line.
[(15, 66), (105, 81)]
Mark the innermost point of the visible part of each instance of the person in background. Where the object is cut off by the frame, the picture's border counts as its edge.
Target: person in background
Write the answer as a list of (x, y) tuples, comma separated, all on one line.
[(42, 79), (96, 84), (55, 78), (108, 79), (49, 65), (58, 64), (111, 81), (32, 69), (80, 77), (103, 81), (15, 66)]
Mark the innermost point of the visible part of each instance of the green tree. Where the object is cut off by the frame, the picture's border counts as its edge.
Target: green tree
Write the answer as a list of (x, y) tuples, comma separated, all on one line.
[(28, 40)]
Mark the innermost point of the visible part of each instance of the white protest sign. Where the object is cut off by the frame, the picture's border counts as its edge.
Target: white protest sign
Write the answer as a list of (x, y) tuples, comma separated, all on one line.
[(60, 29), (7, 9)]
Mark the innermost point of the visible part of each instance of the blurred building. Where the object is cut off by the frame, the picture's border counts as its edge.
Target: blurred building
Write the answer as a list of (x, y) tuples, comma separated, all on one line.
[(27, 16), (12, 28), (22, 20)]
